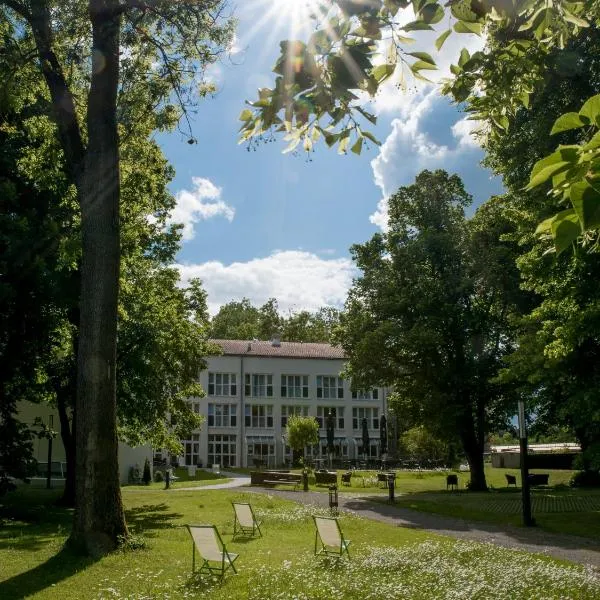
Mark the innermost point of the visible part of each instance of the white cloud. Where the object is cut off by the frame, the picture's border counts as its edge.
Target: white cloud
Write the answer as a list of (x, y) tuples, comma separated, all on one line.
[(465, 131), (299, 280), (203, 202), (409, 149)]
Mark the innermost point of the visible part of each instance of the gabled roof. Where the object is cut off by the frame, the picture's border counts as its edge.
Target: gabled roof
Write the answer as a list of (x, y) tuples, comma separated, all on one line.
[(282, 350)]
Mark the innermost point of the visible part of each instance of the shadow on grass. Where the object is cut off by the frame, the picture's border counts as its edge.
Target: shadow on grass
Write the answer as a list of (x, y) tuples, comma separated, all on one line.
[(149, 517), (61, 566)]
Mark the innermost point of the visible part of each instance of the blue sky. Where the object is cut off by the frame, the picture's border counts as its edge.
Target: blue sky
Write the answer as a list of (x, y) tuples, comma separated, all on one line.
[(264, 224)]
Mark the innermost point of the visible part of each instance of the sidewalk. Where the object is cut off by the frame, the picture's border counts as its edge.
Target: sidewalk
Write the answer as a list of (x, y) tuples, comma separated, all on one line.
[(237, 481)]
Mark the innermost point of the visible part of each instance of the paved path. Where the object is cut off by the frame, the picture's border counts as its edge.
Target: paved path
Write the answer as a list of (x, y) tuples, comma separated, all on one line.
[(564, 547), (236, 481)]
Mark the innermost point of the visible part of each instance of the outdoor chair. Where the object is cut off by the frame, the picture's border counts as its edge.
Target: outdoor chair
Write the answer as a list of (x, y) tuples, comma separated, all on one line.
[(451, 481), (212, 550), (331, 538), (511, 480), (245, 522)]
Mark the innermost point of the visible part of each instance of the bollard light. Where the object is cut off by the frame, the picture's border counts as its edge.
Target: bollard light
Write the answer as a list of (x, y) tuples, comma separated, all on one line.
[(333, 498), (528, 520)]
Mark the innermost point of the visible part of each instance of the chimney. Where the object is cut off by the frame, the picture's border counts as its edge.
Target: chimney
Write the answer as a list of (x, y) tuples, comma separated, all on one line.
[(276, 340)]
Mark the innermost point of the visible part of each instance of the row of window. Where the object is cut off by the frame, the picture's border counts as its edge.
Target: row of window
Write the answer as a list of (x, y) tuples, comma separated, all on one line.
[(260, 385), (261, 415)]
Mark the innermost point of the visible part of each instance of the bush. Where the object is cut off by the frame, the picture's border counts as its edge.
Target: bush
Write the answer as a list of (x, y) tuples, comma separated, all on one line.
[(585, 479), (158, 476), (147, 476)]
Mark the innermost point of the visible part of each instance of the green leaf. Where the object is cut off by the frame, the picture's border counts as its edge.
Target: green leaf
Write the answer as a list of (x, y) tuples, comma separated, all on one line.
[(357, 146), (382, 72), (432, 13), (571, 18), (421, 65), (591, 109), (463, 27), (245, 115), (416, 26), (565, 230), (367, 115), (594, 143), (371, 137), (545, 174), (464, 57), (345, 139), (570, 120), (586, 202), (423, 56), (440, 41)]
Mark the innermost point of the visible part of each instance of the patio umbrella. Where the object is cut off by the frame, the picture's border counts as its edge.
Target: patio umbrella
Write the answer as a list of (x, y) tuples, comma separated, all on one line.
[(365, 437), (383, 435), (330, 426)]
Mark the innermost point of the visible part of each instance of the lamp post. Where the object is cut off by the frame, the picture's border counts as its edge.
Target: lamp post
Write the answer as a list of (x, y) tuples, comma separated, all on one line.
[(528, 520)]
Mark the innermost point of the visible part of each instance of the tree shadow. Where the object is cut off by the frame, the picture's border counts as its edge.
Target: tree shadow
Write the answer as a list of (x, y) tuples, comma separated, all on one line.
[(149, 517), (61, 566)]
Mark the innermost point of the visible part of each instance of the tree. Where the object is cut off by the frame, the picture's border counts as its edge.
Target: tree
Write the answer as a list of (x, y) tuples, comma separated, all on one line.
[(304, 326), (429, 314), (555, 360), (420, 443), (358, 45), (301, 432), (172, 35)]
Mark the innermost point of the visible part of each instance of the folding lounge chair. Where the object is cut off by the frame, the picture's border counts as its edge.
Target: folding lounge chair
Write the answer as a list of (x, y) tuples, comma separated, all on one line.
[(330, 536), (245, 522), (212, 550)]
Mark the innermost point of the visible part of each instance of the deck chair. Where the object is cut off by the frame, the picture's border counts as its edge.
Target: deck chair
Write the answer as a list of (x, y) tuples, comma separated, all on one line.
[(212, 550), (245, 522), (330, 536)]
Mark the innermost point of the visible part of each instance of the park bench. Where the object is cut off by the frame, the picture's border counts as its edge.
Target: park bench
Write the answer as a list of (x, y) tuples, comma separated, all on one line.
[(538, 479), (451, 481), (275, 478), (325, 477)]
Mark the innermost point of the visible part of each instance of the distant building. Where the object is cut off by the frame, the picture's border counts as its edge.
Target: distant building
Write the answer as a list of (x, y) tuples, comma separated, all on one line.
[(255, 386), (540, 456)]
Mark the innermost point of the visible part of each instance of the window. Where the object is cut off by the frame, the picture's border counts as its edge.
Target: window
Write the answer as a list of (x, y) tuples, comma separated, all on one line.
[(329, 387), (259, 415), (288, 411), (222, 450), (336, 411), (222, 415), (371, 414), (366, 394), (259, 386), (294, 386), (192, 450), (196, 407), (222, 384)]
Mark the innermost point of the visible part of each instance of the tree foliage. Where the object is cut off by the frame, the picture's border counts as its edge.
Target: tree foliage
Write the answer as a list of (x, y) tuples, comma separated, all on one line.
[(429, 314), (301, 432)]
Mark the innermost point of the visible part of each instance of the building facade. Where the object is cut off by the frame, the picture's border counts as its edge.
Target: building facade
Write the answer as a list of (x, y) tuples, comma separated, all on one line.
[(255, 386)]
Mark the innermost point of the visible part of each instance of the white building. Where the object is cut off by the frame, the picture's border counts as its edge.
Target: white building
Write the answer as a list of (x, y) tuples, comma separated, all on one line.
[(255, 386)]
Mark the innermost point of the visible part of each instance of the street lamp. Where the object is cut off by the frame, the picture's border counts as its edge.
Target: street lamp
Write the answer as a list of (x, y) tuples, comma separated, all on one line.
[(528, 520)]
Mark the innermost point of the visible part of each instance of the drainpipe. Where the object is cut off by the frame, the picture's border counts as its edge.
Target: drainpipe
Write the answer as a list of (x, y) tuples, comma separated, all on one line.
[(242, 412)]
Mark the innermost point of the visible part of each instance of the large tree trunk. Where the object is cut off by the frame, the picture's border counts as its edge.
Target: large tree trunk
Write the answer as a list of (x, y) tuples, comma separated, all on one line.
[(99, 516), (472, 442), (67, 434)]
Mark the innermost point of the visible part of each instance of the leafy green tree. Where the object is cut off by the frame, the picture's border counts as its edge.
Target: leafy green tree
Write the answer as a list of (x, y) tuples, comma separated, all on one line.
[(554, 361), (420, 443), (242, 321), (429, 314), (165, 45), (305, 326), (301, 432)]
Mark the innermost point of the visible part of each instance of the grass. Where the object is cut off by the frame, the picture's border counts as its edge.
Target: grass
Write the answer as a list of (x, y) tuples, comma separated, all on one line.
[(201, 478), (386, 561)]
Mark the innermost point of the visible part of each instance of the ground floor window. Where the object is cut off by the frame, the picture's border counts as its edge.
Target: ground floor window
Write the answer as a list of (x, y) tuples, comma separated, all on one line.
[(191, 449), (222, 450), (260, 453)]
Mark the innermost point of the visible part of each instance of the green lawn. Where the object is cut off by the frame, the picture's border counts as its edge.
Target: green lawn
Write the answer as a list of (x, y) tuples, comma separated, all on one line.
[(386, 562), (201, 478)]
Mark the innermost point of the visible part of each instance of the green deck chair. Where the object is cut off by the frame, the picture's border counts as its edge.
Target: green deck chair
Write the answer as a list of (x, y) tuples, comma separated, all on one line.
[(212, 550), (331, 538), (245, 522)]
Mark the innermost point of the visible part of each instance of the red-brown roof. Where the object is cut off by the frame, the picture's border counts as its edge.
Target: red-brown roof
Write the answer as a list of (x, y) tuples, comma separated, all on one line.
[(284, 350)]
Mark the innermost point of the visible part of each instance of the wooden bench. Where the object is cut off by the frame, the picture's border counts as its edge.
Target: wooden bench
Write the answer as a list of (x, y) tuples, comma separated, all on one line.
[(536, 479), (275, 478), (325, 477)]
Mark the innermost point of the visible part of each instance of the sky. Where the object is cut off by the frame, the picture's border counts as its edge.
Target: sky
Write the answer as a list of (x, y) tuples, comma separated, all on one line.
[(262, 224)]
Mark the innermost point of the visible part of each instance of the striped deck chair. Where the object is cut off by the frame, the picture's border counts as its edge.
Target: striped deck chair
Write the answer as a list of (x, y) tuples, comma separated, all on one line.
[(245, 522), (212, 550), (330, 536)]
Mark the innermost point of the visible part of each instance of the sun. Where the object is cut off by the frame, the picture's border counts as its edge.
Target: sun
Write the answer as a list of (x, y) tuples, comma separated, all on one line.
[(289, 19)]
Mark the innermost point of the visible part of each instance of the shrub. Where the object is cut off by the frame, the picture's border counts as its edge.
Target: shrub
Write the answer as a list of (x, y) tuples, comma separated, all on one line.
[(585, 479), (147, 476), (158, 476)]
